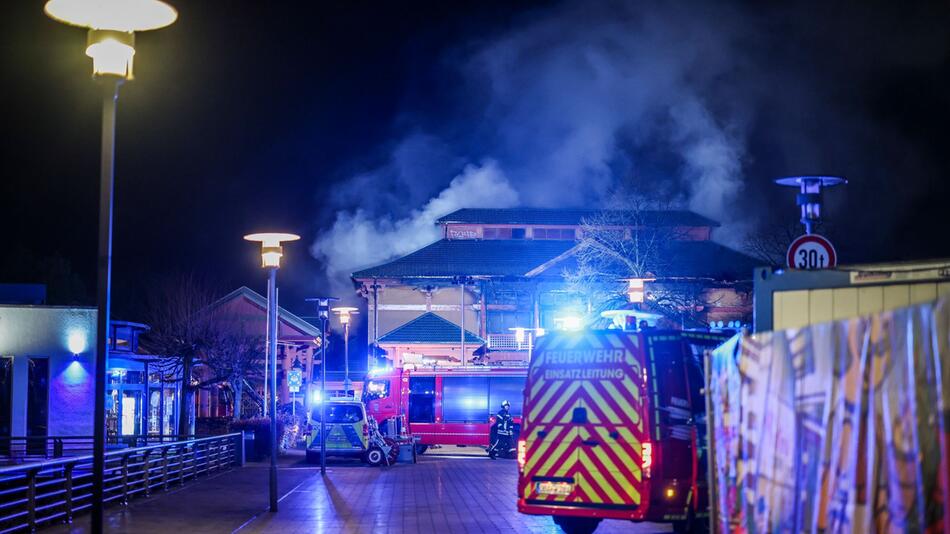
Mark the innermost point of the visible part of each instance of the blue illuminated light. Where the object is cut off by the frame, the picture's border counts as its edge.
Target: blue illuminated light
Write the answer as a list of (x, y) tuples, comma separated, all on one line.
[(75, 373)]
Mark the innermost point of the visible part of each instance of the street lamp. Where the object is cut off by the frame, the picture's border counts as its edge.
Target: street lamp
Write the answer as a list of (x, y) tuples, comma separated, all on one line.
[(111, 45), (523, 334), (323, 310), (344, 313), (271, 252)]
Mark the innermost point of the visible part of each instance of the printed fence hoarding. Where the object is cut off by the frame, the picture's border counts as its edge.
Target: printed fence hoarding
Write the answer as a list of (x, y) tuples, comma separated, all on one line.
[(835, 427)]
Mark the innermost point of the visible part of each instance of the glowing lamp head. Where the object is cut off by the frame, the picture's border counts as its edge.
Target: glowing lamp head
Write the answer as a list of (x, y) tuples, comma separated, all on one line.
[(76, 342), (271, 251), (635, 289), (111, 53), (112, 23), (344, 313), (519, 334), (118, 15)]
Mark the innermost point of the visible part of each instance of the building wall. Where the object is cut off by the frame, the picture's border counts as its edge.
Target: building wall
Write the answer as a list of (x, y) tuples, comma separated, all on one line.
[(399, 304), (44, 332)]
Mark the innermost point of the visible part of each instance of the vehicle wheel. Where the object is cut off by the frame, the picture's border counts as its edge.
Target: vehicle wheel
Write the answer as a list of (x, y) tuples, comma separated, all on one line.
[(576, 525), (313, 457), (421, 449), (374, 457)]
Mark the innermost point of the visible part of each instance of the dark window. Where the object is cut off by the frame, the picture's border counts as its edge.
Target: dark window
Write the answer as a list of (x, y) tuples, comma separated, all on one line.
[(506, 388), (465, 399), (499, 233), (517, 233), (422, 399), (6, 396), (37, 398), (340, 413)]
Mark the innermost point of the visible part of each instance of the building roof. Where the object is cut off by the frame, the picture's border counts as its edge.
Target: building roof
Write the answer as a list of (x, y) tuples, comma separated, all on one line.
[(260, 301), (471, 257), (691, 259), (429, 328), (564, 217)]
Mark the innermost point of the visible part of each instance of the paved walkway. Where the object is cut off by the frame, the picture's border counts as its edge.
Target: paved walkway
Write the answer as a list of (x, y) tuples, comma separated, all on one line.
[(441, 493)]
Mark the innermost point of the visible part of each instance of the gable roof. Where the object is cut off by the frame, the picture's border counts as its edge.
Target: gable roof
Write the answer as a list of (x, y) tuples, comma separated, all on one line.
[(429, 328), (260, 301), (691, 259), (564, 217), (471, 257)]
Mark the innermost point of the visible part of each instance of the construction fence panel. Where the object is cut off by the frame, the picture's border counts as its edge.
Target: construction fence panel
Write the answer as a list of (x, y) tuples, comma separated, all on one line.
[(834, 427)]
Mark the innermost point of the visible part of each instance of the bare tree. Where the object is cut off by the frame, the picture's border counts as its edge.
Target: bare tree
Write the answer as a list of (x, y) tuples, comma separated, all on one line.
[(182, 329), (634, 237), (235, 358), (770, 243)]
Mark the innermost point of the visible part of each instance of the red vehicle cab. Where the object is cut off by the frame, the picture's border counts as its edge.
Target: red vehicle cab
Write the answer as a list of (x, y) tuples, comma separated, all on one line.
[(445, 405)]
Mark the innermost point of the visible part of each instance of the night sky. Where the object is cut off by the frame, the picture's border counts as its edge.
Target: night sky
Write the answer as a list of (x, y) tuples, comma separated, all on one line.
[(250, 116)]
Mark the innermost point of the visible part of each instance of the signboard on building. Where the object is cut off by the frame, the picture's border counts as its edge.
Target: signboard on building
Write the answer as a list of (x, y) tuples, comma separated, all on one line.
[(461, 232), (811, 252)]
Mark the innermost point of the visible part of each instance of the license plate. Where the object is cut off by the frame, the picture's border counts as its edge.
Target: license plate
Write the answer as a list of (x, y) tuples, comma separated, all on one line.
[(553, 488)]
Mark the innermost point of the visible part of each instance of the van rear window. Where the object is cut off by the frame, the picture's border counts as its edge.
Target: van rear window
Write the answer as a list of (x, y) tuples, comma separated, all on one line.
[(340, 413)]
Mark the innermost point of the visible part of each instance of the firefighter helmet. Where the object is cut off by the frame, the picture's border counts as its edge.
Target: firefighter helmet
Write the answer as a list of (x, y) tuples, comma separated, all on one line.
[(505, 404)]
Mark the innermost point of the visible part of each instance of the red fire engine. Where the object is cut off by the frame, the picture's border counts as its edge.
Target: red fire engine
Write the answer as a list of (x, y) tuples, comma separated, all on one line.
[(445, 405)]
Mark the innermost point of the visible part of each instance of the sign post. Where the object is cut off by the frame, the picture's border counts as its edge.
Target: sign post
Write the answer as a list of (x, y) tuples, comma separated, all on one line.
[(811, 252)]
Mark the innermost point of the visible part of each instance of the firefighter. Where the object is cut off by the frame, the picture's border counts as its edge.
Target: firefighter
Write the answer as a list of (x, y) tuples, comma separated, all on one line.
[(501, 432)]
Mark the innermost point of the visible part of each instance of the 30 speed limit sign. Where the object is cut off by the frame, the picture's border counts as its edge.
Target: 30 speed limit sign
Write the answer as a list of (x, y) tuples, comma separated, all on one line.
[(812, 251)]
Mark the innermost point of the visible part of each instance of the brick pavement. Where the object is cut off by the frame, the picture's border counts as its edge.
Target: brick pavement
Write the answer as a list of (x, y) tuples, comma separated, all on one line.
[(439, 494)]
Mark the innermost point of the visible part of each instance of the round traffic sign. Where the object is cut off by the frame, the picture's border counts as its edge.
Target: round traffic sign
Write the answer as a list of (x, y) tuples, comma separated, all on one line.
[(812, 251)]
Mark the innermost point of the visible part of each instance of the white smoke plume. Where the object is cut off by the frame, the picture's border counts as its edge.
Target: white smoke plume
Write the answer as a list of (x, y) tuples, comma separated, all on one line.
[(358, 240), (570, 103)]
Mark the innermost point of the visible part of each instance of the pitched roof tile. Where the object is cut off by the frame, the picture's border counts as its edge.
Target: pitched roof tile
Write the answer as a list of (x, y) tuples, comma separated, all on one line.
[(429, 328)]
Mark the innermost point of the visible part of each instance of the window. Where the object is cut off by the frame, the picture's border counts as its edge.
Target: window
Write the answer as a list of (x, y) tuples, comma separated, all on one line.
[(422, 399), (465, 399), (6, 398), (37, 399), (506, 388), (340, 413), (554, 233), (499, 233), (517, 233), (376, 389)]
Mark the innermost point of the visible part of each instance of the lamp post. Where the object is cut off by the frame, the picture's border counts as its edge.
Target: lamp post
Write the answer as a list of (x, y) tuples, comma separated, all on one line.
[(271, 252), (323, 310), (522, 334), (344, 313), (111, 45)]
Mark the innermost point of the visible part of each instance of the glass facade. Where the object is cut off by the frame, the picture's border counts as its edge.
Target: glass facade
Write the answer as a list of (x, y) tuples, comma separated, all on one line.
[(136, 408)]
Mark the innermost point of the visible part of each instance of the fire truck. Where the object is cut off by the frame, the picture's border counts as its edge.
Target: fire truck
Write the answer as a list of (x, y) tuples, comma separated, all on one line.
[(445, 405), (614, 428)]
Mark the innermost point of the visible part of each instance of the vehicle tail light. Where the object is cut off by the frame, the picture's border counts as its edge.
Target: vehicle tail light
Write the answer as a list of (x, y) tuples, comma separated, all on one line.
[(522, 454), (646, 458), (365, 431)]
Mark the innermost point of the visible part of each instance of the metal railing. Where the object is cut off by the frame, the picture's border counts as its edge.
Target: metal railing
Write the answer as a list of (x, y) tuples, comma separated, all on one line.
[(508, 342), (24, 449), (37, 494)]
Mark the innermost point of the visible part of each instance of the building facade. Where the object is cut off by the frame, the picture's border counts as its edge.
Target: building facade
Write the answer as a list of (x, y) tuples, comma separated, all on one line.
[(47, 376), (499, 275)]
